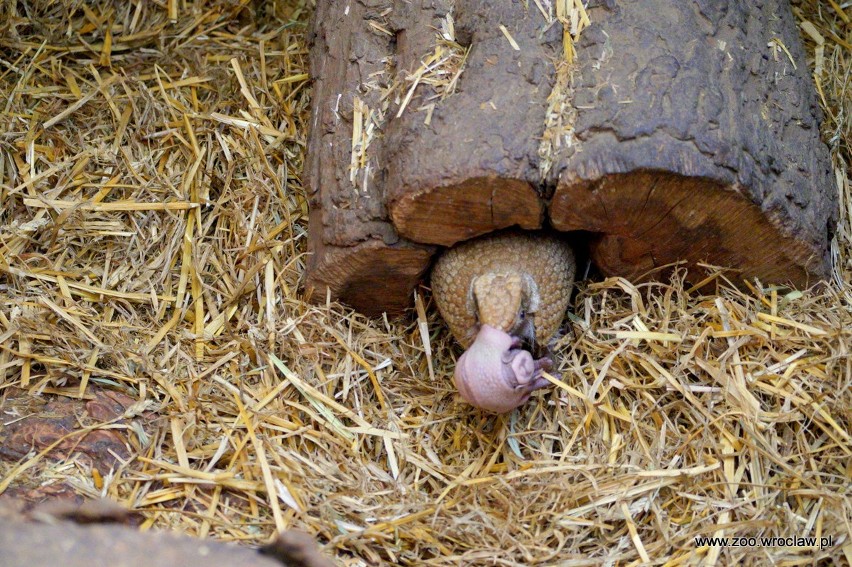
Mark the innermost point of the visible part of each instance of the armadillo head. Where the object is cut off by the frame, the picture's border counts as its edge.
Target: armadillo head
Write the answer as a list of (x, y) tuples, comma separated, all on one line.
[(495, 374), (506, 301)]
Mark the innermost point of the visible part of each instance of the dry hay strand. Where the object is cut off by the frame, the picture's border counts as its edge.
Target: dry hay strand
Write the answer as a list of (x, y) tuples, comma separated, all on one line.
[(152, 237), (560, 115), (439, 70), (823, 29)]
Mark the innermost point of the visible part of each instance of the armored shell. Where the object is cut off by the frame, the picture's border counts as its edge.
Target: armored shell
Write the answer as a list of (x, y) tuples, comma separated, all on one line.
[(514, 281)]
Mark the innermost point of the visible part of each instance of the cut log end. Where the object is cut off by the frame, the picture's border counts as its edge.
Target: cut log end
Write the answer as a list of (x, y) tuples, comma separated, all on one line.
[(453, 213), (373, 277), (647, 220)]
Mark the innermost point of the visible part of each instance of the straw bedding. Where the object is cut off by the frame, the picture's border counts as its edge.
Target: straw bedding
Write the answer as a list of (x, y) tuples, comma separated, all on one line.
[(152, 243)]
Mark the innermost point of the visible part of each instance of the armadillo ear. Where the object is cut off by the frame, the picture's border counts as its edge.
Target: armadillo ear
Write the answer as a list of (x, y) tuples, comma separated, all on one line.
[(531, 294), (523, 368)]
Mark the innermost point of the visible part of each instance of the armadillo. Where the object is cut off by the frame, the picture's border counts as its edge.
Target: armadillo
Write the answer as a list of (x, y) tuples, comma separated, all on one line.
[(499, 293)]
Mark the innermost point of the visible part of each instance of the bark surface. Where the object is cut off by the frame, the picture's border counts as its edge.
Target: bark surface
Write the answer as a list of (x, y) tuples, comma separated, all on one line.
[(698, 140)]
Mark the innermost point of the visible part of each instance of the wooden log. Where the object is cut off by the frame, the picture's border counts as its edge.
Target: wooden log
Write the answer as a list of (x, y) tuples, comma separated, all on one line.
[(474, 168), (697, 139), (683, 131), (356, 254)]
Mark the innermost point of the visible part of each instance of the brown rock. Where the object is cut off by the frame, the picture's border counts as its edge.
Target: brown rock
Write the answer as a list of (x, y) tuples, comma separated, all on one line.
[(47, 423), (52, 540)]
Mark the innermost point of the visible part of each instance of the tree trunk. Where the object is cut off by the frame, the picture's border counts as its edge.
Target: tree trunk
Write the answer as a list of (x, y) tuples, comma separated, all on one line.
[(682, 132)]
